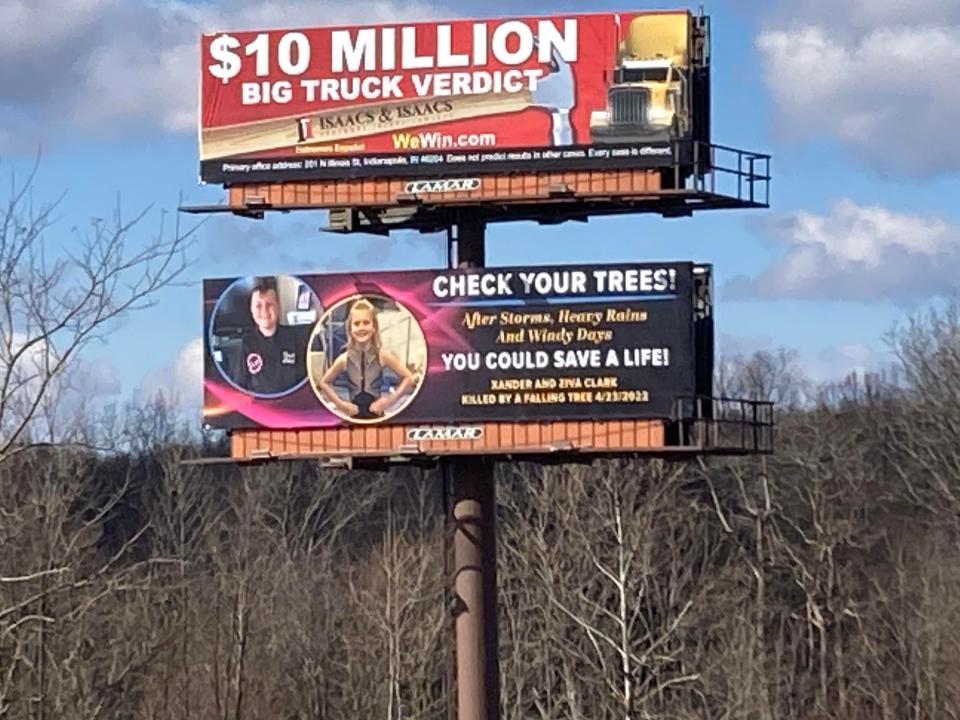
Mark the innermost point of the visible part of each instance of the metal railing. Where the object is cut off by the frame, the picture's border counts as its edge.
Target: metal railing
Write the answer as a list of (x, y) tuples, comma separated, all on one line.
[(722, 170), (734, 425)]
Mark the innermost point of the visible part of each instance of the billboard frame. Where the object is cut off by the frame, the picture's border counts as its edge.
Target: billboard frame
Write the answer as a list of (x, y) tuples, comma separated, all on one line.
[(720, 178), (701, 425)]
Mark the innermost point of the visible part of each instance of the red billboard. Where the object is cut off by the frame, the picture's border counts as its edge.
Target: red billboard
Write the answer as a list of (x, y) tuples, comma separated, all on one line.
[(440, 98)]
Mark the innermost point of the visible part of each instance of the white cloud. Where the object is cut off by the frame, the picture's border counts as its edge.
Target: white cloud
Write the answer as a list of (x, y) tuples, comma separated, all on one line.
[(49, 405), (94, 379), (840, 362), (32, 24), (858, 252), (728, 345), (877, 75), (868, 14), (289, 245), (180, 383), (788, 374), (100, 65)]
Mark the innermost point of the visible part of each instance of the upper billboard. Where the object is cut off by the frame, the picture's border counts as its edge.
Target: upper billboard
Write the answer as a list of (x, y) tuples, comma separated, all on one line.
[(433, 99), (499, 344)]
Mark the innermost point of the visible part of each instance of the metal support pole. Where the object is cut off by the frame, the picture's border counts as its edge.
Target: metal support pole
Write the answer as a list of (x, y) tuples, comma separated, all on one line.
[(475, 585), (474, 549), (471, 244)]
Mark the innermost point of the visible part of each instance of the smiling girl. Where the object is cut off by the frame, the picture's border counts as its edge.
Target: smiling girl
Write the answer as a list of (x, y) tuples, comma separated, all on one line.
[(363, 362)]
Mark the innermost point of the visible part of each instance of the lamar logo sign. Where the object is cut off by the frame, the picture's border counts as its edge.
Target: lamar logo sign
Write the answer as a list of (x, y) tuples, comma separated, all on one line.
[(421, 187), (444, 433)]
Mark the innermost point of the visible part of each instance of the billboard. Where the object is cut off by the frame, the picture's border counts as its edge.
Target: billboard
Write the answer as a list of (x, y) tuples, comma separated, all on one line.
[(429, 99), (446, 346)]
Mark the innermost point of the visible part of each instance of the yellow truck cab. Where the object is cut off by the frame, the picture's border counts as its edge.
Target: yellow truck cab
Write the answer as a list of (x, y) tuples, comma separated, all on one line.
[(647, 95)]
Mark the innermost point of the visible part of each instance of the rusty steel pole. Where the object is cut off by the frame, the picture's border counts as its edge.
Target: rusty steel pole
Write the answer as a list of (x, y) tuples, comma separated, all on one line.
[(473, 517)]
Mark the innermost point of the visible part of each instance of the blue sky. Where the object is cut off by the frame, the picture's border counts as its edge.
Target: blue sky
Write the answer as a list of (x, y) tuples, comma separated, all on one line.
[(857, 100)]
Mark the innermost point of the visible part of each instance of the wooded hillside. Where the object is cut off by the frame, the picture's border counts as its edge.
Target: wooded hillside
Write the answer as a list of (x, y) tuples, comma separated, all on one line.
[(820, 582)]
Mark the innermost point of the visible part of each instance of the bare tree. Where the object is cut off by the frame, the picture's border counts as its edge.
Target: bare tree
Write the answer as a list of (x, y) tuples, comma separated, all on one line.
[(608, 547), (79, 594), (925, 435), (396, 596), (58, 293), (764, 375)]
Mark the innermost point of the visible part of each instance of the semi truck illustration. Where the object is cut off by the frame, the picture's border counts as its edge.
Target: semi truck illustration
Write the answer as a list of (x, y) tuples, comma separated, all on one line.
[(648, 95)]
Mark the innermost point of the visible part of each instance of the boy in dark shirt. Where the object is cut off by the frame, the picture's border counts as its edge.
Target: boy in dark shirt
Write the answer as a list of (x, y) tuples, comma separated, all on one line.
[(272, 356)]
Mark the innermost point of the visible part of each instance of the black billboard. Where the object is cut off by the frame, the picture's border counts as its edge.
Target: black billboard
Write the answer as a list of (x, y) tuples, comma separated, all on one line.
[(593, 342)]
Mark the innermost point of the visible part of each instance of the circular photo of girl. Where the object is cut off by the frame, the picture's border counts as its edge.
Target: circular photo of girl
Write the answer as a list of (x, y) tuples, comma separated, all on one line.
[(367, 358)]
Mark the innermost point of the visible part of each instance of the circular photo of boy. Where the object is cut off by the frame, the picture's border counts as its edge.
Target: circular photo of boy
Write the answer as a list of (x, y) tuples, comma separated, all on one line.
[(367, 358), (259, 331)]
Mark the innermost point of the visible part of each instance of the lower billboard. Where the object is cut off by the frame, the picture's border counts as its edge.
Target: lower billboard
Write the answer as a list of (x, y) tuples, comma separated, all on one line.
[(520, 344)]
